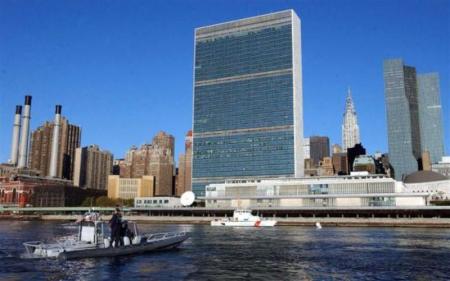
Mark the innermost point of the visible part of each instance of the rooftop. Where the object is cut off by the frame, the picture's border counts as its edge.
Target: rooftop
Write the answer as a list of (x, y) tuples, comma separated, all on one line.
[(424, 176)]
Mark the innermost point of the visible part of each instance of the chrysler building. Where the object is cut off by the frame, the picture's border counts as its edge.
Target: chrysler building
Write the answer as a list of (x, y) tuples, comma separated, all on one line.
[(350, 128)]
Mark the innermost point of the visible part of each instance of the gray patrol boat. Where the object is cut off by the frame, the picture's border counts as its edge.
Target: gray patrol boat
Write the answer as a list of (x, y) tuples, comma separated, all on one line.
[(93, 241)]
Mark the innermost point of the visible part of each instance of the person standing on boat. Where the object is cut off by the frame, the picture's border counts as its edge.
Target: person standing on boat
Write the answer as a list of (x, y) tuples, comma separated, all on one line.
[(115, 224)]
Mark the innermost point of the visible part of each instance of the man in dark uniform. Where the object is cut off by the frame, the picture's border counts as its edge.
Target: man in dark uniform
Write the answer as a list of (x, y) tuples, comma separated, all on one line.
[(115, 225)]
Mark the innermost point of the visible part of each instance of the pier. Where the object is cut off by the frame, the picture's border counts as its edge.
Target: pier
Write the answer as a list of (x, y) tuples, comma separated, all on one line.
[(335, 213)]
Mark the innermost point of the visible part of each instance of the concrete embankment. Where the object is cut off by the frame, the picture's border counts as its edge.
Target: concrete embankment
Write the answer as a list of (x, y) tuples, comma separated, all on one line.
[(370, 222)]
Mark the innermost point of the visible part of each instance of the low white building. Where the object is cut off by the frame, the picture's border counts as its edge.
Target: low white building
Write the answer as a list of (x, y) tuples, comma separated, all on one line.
[(437, 185), (157, 202), (338, 191), (442, 167)]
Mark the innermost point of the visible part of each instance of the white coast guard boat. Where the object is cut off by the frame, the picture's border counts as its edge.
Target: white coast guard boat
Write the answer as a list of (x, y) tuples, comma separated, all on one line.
[(243, 218), (93, 241)]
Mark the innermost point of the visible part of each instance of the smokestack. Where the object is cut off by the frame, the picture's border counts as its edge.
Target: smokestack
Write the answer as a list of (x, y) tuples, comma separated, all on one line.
[(23, 148), (54, 155), (15, 136)]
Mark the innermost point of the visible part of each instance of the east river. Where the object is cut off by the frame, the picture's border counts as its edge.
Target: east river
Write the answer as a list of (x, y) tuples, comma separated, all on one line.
[(215, 253)]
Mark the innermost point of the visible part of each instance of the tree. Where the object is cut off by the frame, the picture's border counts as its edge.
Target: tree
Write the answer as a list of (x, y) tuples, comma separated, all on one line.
[(88, 202), (104, 201)]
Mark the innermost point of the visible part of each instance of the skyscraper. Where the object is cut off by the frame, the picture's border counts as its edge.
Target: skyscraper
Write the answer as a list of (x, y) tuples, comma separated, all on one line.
[(166, 142), (306, 148), (340, 163), (350, 128), (319, 148), (430, 116), (414, 117), (69, 139), (155, 159), (183, 179), (402, 110), (248, 119), (92, 167)]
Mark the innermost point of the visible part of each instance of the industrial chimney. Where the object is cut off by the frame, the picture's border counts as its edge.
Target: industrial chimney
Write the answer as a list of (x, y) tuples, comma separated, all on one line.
[(23, 148), (15, 136), (54, 152)]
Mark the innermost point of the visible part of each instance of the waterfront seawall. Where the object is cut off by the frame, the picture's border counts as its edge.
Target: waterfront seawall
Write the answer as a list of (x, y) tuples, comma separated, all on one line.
[(344, 222)]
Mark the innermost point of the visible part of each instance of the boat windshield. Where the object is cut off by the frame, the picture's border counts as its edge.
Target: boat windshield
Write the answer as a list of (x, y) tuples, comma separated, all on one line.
[(106, 230), (93, 232)]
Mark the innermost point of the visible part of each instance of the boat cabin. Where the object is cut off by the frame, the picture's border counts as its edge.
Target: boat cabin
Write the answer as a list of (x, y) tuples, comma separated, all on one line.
[(95, 232), (243, 215), (92, 231)]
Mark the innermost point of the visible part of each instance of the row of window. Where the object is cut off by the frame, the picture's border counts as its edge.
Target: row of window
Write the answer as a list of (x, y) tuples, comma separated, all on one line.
[(309, 202), (244, 31), (269, 153), (247, 172), (291, 190), (215, 111), (154, 201), (245, 151), (223, 69), (251, 138), (238, 55)]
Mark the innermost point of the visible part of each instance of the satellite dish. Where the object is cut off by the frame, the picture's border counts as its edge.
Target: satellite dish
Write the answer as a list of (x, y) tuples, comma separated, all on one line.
[(187, 198)]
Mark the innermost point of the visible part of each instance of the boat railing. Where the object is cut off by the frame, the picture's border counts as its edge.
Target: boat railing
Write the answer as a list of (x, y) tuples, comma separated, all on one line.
[(163, 235), (32, 246)]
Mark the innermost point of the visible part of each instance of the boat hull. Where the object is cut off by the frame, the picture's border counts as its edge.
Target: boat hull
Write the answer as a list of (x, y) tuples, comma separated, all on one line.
[(145, 247), (263, 223)]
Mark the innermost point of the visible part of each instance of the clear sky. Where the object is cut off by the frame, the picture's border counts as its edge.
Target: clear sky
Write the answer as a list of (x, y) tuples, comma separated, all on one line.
[(123, 69)]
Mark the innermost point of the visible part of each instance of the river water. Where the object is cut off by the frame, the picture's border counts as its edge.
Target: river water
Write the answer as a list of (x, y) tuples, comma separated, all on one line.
[(215, 253)]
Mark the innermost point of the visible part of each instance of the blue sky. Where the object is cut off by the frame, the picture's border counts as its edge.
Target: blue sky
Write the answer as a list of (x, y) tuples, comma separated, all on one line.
[(123, 69)]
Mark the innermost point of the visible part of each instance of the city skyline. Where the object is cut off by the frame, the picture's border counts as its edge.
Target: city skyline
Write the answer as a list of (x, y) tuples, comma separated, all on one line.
[(93, 117)]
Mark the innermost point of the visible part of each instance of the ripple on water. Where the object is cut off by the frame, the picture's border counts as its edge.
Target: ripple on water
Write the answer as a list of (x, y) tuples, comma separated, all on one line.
[(214, 253)]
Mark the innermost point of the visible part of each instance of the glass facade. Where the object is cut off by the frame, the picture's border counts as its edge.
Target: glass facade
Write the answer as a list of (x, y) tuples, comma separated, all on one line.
[(430, 113), (402, 117), (414, 116), (247, 100)]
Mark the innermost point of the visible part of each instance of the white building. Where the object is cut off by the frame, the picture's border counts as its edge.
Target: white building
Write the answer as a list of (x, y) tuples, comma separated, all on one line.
[(341, 191), (306, 148), (350, 128), (437, 185), (157, 202), (442, 167)]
